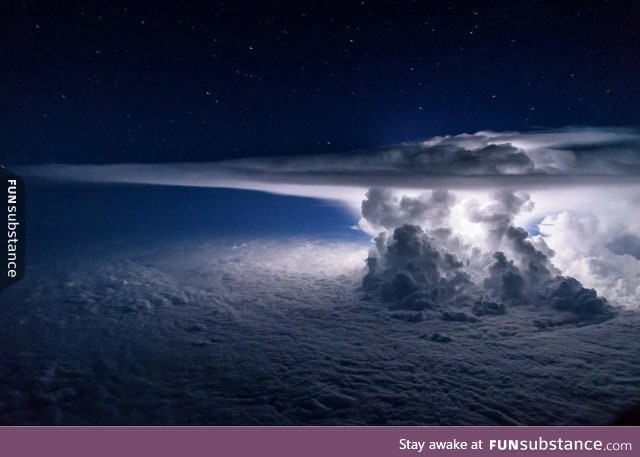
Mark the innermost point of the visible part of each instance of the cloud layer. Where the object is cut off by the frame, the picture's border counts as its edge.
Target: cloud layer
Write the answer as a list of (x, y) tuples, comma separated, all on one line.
[(277, 332)]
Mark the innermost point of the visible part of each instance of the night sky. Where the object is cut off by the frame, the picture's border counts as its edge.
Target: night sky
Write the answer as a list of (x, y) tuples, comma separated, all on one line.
[(110, 82)]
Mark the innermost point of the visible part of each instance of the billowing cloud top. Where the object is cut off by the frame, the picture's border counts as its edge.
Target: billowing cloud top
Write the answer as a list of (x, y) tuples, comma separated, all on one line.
[(484, 159)]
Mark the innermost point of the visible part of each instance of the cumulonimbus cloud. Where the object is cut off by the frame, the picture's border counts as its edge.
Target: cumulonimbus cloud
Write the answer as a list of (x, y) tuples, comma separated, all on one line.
[(581, 184), (434, 266)]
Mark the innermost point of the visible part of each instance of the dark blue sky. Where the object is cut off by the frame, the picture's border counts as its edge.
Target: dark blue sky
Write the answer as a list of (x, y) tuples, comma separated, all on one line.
[(81, 217), (118, 81)]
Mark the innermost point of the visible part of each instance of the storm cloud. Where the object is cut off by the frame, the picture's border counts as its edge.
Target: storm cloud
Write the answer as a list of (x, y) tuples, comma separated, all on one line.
[(434, 268), (554, 202)]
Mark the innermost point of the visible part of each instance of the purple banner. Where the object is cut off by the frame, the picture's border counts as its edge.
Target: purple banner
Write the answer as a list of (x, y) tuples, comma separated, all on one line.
[(317, 441)]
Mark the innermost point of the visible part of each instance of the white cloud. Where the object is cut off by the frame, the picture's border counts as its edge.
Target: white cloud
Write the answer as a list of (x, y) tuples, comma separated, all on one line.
[(582, 247), (481, 160), (580, 172)]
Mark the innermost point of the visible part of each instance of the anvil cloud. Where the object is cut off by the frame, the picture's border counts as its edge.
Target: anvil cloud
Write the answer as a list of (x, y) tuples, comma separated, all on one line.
[(563, 157)]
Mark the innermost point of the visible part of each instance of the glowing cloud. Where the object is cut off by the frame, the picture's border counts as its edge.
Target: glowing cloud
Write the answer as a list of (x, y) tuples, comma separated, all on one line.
[(541, 159), (574, 209)]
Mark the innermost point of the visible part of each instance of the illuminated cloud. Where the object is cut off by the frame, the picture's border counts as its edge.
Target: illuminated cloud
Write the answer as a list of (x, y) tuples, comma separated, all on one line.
[(556, 158), (563, 199), (436, 268)]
